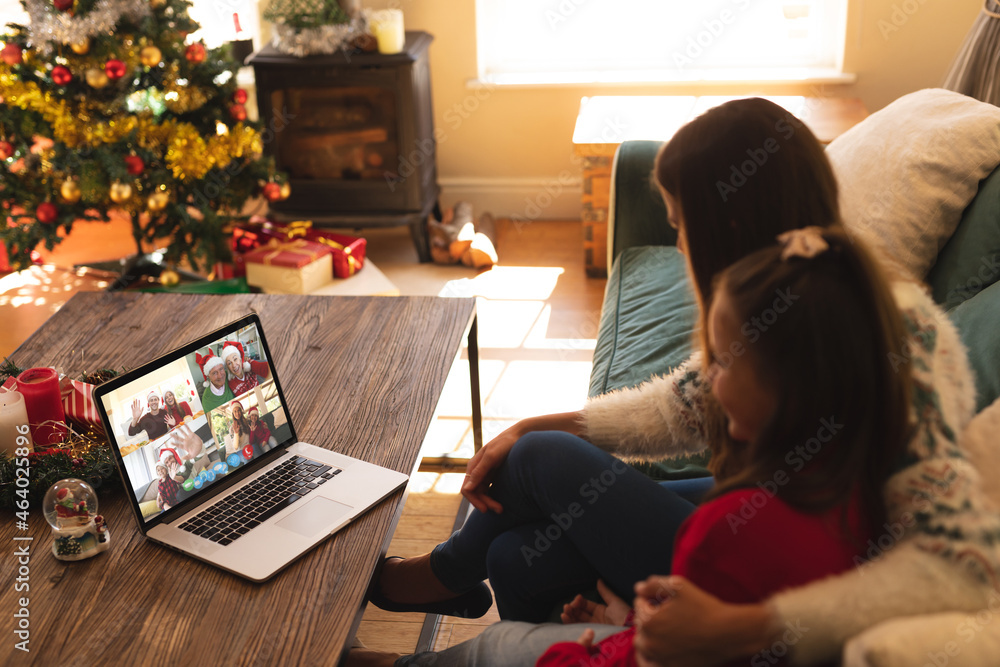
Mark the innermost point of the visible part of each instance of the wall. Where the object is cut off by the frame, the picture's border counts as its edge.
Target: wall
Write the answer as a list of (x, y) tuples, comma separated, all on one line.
[(502, 148)]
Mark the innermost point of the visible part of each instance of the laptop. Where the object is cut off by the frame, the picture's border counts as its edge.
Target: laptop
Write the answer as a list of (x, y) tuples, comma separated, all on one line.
[(211, 462)]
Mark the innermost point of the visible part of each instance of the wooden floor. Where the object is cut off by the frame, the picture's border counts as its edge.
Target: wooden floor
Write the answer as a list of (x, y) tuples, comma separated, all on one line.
[(538, 318)]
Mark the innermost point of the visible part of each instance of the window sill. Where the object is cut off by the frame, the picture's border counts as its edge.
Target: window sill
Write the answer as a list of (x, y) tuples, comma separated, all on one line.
[(669, 79)]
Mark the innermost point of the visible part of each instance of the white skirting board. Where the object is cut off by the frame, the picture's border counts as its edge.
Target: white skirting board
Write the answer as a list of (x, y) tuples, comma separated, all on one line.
[(527, 199)]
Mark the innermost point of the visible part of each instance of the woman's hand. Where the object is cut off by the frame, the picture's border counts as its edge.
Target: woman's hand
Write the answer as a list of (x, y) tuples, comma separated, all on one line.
[(483, 466), (171, 421), (581, 610), (678, 624)]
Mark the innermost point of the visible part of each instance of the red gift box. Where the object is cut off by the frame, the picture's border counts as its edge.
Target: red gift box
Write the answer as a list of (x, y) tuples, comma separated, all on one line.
[(290, 267), (348, 251)]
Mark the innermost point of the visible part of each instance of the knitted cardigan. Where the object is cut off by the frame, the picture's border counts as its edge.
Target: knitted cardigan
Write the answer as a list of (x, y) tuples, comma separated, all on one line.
[(941, 547)]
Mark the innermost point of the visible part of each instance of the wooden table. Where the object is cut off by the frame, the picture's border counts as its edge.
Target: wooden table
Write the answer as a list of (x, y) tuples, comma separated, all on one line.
[(605, 122), (361, 375)]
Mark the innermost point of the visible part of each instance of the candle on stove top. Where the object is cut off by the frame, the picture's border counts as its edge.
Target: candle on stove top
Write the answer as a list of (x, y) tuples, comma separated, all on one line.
[(14, 432), (387, 27), (40, 388)]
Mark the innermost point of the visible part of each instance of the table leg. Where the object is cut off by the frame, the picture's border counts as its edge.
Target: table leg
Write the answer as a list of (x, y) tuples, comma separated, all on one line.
[(477, 403)]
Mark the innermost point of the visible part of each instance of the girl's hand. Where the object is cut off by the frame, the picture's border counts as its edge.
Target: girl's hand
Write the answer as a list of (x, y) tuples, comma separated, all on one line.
[(586, 640), (678, 624), (582, 610), (171, 421)]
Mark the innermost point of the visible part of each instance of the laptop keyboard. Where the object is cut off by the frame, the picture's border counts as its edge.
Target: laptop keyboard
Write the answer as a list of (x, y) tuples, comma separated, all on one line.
[(235, 515)]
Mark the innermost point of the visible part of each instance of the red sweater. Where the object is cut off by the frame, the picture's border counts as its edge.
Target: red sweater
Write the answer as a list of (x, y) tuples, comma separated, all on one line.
[(741, 547), (240, 386)]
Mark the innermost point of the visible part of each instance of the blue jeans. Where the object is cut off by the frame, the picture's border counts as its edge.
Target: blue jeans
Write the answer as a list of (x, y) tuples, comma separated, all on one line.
[(572, 513)]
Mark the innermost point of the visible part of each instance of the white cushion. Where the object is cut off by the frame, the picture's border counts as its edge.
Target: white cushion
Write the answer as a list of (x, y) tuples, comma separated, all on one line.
[(908, 171)]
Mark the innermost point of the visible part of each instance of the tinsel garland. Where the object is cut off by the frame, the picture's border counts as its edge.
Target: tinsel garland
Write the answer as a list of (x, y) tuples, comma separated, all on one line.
[(188, 155), (85, 454), (311, 41), (50, 26)]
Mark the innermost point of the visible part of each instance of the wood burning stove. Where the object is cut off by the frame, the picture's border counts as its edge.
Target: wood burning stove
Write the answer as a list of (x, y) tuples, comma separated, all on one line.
[(355, 133)]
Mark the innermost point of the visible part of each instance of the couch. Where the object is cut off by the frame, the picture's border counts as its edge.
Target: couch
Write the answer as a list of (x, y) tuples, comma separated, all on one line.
[(649, 313)]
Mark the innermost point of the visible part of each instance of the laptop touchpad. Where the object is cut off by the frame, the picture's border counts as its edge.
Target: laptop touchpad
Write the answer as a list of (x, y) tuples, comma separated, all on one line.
[(314, 516)]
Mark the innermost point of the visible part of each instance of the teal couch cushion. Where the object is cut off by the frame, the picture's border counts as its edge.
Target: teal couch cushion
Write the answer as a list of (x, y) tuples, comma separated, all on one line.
[(978, 322), (970, 260), (647, 321), (647, 326)]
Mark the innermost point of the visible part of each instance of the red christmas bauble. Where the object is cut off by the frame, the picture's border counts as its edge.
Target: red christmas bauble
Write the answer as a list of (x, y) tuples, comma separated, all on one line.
[(238, 112), (134, 164), (195, 53), (115, 69), (61, 75), (272, 192), (240, 96), (12, 54), (46, 213), (62, 5), (6, 150)]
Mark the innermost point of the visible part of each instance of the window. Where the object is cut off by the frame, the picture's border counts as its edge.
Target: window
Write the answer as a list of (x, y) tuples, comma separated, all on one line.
[(217, 20), (620, 41)]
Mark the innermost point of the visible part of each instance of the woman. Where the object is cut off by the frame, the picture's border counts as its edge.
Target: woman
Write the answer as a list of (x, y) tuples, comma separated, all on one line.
[(943, 533), (176, 412), (239, 430)]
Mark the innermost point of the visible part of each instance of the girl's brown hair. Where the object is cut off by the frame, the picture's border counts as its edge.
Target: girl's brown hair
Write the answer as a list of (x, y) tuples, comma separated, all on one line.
[(843, 399)]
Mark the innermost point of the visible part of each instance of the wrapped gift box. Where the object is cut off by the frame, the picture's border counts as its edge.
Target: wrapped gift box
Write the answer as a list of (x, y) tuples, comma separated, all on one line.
[(290, 267), (348, 251)]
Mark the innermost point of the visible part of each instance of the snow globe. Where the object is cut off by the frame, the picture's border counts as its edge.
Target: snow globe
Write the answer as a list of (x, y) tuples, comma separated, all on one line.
[(78, 531)]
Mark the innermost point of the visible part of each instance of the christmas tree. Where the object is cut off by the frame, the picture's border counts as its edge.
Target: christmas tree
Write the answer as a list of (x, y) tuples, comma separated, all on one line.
[(105, 107)]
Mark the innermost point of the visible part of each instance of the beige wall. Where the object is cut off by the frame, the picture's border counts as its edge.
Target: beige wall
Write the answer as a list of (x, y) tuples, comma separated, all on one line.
[(502, 147)]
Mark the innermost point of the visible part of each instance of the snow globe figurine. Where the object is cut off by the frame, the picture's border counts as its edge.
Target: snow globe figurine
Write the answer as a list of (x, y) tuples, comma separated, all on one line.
[(78, 531)]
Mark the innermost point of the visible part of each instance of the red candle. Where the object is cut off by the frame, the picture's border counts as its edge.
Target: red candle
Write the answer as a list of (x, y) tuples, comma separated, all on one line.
[(40, 388)]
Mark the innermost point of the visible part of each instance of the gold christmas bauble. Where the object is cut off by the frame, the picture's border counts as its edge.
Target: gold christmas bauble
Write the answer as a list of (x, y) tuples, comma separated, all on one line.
[(286, 191), (169, 278), (150, 56), (82, 47), (157, 201), (70, 191), (120, 192), (96, 78), (156, 4)]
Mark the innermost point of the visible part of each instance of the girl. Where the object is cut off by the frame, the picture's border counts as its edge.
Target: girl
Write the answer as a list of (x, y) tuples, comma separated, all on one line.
[(816, 418), (176, 412), (544, 463)]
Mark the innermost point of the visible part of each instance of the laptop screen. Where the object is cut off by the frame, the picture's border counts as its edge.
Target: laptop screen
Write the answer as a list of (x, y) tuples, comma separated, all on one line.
[(185, 421)]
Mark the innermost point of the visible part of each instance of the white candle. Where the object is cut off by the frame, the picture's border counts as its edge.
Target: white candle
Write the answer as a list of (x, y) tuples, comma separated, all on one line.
[(387, 27), (14, 430)]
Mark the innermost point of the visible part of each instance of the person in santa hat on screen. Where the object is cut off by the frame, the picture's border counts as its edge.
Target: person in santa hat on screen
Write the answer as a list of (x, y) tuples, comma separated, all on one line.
[(260, 434), (154, 422), (243, 372), (217, 392)]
